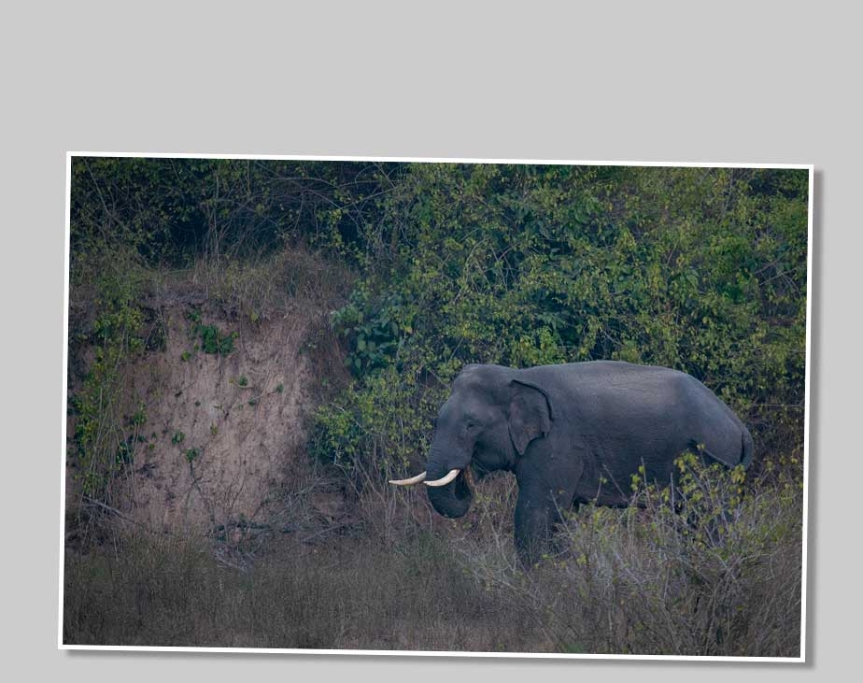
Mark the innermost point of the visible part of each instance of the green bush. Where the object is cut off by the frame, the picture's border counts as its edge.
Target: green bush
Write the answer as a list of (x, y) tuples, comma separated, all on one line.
[(703, 270), (374, 431), (214, 341)]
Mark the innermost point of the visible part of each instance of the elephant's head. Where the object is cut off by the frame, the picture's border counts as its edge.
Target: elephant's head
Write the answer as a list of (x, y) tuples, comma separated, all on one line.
[(486, 423)]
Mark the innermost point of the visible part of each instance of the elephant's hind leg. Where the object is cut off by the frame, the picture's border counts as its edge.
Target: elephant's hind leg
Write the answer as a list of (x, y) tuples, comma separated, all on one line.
[(533, 523)]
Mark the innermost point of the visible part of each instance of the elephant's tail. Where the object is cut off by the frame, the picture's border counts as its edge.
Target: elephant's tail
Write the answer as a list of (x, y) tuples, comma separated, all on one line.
[(746, 449), (746, 458)]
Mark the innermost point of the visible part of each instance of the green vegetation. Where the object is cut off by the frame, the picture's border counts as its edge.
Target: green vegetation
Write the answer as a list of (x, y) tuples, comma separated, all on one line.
[(703, 270), (103, 446), (211, 339), (214, 341)]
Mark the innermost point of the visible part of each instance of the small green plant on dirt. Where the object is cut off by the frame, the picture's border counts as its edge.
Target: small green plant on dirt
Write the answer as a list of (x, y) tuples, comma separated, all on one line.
[(192, 454), (139, 417), (242, 381), (178, 438), (126, 452), (280, 389), (214, 341), (210, 338)]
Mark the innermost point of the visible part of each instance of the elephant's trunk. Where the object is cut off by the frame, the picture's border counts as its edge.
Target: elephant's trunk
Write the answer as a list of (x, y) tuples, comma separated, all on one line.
[(452, 499)]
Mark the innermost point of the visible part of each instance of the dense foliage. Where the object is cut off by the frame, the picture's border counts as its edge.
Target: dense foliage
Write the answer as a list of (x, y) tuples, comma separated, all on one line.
[(174, 211), (700, 269)]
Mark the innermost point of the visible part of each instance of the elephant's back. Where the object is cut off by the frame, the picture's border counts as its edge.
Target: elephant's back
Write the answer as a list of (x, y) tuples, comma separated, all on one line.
[(657, 406), (612, 379)]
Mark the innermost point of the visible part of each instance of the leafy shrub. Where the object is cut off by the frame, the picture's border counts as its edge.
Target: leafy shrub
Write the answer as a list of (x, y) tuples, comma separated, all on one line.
[(377, 331), (695, 576), (703, 270), (214, 341), (374, 432)]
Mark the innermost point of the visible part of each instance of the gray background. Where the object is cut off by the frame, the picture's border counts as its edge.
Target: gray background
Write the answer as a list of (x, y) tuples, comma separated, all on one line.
[(765, 82)]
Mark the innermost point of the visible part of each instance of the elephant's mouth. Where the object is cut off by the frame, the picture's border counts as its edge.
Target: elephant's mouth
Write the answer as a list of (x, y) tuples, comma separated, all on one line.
[(463, 483)]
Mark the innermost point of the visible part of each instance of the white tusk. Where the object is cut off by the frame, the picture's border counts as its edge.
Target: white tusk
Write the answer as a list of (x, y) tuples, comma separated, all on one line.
[(409, 482), (446, 480)]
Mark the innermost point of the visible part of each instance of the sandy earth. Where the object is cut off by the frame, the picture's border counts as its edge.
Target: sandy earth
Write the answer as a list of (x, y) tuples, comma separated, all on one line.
[(223, 438)]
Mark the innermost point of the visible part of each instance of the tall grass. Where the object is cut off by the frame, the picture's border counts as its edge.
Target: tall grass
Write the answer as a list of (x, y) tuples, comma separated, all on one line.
[(170, 592), (711, 573), (644, 580)]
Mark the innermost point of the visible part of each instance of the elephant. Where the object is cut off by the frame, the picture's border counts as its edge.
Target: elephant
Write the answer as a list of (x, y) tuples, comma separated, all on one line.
[(572, 433)]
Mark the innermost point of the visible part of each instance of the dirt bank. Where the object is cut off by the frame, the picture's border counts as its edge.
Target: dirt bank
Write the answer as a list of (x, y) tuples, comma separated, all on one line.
[(215, 416)]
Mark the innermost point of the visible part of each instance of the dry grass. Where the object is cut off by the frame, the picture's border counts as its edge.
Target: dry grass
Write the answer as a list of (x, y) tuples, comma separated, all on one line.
[(622, 581), (351, 594), (638, 581)]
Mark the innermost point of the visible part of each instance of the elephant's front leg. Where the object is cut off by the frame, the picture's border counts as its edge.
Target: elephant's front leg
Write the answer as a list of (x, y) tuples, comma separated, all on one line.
[(546, 489), (538, 509)]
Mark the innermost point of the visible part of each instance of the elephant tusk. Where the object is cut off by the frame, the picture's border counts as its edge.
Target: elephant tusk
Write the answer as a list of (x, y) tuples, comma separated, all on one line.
[(446, 480), (409, 482)]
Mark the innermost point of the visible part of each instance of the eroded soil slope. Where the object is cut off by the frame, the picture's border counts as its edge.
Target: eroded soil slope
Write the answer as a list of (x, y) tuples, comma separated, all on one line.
[(218, 438)]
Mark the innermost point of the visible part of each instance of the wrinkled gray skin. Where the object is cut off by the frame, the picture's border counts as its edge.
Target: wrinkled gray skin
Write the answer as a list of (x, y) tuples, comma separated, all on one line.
[(574, 433)]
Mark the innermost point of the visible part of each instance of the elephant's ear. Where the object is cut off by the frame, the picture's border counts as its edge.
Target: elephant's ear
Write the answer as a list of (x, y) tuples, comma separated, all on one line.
[(530, 414)]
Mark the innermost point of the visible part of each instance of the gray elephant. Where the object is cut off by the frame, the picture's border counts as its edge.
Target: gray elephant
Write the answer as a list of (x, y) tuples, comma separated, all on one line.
[(572, 433)]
